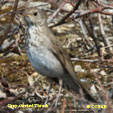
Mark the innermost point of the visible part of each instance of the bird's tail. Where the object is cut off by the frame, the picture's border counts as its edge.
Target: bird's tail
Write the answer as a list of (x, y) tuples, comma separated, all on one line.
[(76, 85)]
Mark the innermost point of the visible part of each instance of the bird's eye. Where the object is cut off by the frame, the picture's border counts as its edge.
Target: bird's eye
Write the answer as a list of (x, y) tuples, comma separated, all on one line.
[(35, 13)]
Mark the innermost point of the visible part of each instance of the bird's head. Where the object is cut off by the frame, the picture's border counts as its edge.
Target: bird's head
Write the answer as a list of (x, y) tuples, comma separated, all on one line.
[(34, 16)]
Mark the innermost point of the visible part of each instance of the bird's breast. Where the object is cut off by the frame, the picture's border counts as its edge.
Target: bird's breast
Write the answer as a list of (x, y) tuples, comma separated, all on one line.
[(45, 62), (41, 58)]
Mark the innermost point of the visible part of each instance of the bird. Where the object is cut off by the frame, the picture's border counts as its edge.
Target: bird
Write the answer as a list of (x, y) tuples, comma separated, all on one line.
[(46, 56)]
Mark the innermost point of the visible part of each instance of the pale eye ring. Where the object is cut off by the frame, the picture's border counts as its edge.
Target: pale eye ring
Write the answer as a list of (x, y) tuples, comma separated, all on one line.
[(35, 13)]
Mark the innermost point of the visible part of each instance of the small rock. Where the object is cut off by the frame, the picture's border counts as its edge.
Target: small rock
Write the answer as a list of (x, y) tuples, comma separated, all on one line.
[(30, 80), (94, 70), (19, 111), (67, 7), (3, 19), (79, 38), (103, 72), (2, 94), (78, 68), (83, 80), (34, 74), (93, 89), (6, 6)]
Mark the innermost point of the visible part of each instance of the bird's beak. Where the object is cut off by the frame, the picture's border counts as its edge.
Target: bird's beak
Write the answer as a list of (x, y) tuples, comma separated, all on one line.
[(28, 21), (26, 17)]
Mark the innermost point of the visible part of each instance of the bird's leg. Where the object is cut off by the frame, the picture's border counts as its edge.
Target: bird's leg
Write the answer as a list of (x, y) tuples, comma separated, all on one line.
[(50, 86), (57, 97)]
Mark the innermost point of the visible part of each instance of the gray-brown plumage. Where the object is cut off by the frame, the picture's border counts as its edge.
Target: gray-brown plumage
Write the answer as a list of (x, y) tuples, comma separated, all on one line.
[(46, 56)]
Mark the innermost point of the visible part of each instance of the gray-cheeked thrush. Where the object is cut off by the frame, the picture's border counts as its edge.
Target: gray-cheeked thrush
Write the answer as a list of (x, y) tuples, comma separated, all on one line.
[(46, 56)]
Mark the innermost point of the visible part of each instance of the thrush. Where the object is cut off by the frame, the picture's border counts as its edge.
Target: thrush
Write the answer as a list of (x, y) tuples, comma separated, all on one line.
[(46, 56)]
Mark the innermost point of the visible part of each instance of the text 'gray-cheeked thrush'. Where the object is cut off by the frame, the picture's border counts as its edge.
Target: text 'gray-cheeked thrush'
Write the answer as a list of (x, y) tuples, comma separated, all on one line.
[(46, 57)]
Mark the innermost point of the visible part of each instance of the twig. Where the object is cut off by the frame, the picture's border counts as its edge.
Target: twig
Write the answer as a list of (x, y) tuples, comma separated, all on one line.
[(63, 106), (109, 108), (85, 60), (7, 45), (68, 15), (92, 34), (56, 12), (10, 99), (11, 21), (92, 11), (85, 34), (105, 39)]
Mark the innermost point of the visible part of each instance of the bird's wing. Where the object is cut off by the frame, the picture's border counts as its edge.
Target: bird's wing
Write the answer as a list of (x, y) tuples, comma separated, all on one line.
[(63, 57)]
